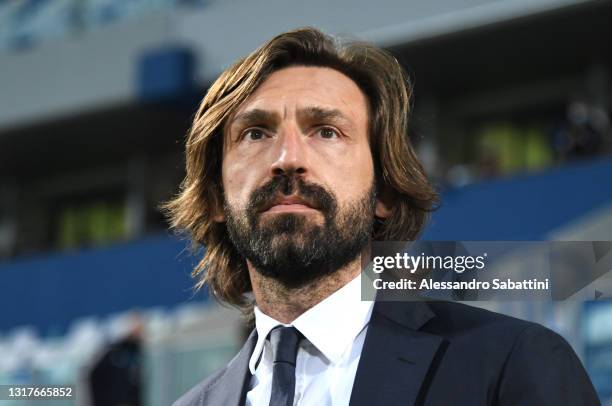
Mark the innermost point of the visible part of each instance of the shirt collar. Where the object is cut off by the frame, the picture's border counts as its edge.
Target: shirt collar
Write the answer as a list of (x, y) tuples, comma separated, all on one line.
[(331, 325)]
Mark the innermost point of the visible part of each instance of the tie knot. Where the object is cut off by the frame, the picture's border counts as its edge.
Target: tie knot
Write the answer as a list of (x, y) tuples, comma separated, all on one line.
[(285, 342)]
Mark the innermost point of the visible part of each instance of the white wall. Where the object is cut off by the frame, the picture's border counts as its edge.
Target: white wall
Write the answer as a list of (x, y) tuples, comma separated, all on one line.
[(75, 74)]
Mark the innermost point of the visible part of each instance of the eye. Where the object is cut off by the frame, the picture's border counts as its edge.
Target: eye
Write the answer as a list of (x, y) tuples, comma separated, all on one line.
[(327, 133), (253, 134)]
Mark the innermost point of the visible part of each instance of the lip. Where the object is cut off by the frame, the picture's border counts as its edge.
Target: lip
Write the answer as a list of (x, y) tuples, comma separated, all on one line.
[(289, 204), (283, 208)]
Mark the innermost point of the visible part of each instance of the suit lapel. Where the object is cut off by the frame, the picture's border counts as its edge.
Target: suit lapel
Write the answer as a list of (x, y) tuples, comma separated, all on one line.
[(232, 387), (396, 357)]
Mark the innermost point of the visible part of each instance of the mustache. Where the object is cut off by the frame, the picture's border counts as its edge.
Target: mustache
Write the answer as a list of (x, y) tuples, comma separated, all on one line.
[(315, 195)]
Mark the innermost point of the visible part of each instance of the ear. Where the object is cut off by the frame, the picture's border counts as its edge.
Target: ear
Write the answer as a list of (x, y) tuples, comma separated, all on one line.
[(384, 204), (219, 217), (218, 214), (216, 205)]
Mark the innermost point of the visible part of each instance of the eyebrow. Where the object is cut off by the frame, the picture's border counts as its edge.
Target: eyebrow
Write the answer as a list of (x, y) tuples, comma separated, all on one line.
[(255, 116), (321, 114), (312, 114)]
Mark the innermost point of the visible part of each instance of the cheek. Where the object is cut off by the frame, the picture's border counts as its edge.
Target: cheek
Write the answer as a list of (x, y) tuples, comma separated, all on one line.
[(350, 175)]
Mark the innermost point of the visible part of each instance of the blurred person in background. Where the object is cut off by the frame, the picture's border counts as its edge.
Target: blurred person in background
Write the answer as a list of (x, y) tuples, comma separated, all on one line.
[(297, 158), (115, 378)]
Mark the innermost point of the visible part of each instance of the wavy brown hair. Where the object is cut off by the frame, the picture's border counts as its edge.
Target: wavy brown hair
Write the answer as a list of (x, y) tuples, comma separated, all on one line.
[(400, 178)]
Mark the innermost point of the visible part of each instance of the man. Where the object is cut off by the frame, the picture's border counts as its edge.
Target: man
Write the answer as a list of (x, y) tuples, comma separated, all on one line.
[(298, 157), (115, 377)]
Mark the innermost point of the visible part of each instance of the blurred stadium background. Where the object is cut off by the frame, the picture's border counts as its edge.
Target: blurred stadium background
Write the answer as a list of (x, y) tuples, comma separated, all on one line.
[(511, 119)]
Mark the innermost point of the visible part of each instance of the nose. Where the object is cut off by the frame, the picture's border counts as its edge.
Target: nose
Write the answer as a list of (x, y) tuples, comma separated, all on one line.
[(291, 152)]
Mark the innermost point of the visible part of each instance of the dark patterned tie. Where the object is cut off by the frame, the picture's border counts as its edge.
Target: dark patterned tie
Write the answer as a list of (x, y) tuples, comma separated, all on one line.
[(285, 342)]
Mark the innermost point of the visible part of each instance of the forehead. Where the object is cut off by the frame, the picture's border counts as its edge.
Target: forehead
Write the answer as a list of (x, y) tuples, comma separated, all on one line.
[(298, 87)]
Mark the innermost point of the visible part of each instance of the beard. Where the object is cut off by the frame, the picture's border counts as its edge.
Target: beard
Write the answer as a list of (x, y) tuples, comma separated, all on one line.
[(292, 247)]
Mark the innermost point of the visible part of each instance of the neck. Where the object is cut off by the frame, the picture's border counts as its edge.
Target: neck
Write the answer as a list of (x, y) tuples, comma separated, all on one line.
[(285, 304)]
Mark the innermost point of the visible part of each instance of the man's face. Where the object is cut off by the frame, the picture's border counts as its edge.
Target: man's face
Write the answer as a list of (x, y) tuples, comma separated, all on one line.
[(298, 175)]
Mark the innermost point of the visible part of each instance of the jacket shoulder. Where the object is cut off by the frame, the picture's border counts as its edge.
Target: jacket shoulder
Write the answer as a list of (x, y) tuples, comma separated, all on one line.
[(528, 362), (233, 372), (542, 368), (195, 396)]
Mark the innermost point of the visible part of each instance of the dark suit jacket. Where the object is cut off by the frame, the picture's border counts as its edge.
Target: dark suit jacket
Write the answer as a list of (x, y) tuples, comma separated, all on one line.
[(439, 353)]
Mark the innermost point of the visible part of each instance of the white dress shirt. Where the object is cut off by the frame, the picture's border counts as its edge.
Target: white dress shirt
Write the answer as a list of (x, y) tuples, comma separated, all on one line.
[(327, 358)]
